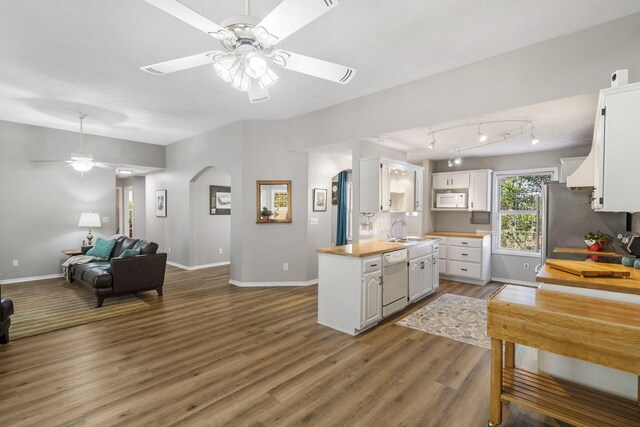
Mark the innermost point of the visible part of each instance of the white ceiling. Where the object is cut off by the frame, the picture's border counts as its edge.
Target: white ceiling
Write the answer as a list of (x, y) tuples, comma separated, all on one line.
[(69, 55), (557, 124)]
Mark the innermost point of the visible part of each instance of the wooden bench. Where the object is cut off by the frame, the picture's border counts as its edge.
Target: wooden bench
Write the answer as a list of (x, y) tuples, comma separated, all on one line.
[(591, 329)]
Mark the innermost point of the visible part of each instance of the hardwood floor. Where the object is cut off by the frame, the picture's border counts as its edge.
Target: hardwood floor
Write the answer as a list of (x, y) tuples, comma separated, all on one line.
[(209, 353)]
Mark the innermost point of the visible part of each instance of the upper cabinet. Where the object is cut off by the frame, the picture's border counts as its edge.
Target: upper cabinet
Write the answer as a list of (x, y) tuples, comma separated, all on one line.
[(607, 170), (390, 186), (480, 190), (462, 191), (450, 180)]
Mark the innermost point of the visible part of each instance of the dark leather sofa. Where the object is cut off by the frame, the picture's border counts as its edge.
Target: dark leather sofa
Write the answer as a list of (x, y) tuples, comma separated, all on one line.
[(120, 276), (6, 310)]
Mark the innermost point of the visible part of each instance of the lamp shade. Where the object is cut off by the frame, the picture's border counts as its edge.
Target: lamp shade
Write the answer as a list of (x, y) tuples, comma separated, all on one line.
[(89, 219)]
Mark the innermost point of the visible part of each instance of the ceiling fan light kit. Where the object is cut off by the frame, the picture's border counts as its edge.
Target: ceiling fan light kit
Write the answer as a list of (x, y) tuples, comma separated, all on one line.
[(250, 45)]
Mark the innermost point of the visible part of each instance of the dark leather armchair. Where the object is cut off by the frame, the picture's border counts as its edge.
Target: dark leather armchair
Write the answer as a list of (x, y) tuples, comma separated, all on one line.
[(6, 310), (120, 276)]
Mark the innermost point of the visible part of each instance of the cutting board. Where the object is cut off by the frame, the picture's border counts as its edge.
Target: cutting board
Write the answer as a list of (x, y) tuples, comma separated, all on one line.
[(589, 269)]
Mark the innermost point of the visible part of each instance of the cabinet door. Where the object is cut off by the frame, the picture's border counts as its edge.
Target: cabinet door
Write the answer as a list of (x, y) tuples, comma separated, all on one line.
[(458, 180), (435, 271), (385, 192), (371, 299), (480, 191), (440, 181), (416, 274), (418, 191), (427, 275)]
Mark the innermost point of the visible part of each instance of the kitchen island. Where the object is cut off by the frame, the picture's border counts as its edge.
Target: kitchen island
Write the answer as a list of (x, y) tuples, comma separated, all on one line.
[(599, 377), (361, 283)]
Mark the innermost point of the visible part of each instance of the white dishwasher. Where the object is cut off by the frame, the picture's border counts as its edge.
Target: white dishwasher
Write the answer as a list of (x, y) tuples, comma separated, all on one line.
[(394, 282)]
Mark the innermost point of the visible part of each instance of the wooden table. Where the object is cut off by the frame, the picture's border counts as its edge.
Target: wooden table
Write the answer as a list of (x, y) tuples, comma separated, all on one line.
[(72, 252), (591, 329)]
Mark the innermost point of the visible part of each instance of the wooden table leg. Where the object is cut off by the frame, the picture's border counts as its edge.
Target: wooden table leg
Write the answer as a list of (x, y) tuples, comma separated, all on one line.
[(495, 414), (509, 354)]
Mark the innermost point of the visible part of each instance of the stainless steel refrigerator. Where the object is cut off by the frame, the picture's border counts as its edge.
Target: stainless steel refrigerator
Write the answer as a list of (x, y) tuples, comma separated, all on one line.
[(568, 217)]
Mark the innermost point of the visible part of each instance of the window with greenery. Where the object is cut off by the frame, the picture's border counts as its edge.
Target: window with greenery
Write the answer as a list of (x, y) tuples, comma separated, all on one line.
[(520, 210)]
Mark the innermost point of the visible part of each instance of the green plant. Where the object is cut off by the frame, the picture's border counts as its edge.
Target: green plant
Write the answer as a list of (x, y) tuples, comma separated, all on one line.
[(598, 236), (265, 212)]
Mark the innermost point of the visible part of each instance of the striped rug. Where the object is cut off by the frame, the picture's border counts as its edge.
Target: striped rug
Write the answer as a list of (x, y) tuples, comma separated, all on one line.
[(49, 305)]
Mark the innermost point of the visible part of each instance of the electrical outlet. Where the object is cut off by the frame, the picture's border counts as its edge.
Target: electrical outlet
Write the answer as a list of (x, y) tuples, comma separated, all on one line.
[(285, 266), (169, 250), (525, 266), (220, 251), (16, 263), (105, 219)]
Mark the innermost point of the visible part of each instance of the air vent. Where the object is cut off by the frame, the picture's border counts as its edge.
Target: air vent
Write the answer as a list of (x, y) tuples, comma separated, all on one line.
[(347, 76), (152, 71)]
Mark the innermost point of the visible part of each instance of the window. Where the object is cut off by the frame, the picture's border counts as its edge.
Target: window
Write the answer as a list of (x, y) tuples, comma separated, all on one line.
[(519, 210)]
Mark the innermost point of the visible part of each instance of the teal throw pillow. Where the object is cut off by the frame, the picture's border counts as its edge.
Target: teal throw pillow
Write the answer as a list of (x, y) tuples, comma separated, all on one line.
[(128, 253), (102, 248)]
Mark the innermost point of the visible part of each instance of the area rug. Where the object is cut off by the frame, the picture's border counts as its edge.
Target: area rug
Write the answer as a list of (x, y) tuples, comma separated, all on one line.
[(50, 305), (453, 316)]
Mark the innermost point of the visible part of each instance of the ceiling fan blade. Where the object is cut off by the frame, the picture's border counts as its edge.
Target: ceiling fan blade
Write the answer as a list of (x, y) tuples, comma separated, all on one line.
[(289, 16), (102, 165), (48, 161), (182, 63), (257, 94), (313, 66), (185, 14)]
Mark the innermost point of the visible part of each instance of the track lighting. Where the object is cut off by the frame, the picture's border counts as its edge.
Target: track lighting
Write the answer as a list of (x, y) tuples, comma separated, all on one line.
[(534, 140), (450, 163), (432, 145), (457, 160), (481, 136)]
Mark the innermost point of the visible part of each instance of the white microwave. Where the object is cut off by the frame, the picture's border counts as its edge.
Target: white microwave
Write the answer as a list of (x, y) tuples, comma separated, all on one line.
[(451, 200)]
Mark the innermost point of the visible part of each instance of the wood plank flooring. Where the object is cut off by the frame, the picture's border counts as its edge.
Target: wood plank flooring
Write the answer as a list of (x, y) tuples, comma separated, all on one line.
[(209, 353)]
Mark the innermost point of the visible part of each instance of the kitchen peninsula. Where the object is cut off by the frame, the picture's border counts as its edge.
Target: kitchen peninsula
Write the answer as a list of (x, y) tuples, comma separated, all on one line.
[(361, 283), (627, 290)]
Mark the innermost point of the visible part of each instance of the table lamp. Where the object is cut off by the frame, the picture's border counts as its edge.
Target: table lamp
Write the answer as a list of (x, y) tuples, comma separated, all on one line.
[(89, 219)]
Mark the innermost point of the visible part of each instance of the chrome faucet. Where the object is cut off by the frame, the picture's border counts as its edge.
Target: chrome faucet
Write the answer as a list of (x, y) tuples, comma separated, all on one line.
[(401, 221)]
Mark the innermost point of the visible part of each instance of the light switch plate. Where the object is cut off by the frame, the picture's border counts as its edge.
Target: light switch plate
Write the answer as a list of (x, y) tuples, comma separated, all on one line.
[(105, 219), (314, 221)]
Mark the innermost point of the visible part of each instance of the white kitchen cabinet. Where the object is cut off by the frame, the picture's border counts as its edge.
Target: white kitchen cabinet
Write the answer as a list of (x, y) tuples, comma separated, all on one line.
[(480, 190), (388, 186), (450, 180), (420, 278), (435, 270), (607, 168), (371, 299), (465, 259), (419, 190)]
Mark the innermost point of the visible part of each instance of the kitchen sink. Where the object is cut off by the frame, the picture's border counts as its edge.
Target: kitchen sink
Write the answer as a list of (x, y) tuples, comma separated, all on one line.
[(406, 239)]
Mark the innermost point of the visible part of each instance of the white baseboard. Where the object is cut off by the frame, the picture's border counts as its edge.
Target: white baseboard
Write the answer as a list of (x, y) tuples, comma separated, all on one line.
[(515, 282), (198, 267), (271, 284), (31, 279)]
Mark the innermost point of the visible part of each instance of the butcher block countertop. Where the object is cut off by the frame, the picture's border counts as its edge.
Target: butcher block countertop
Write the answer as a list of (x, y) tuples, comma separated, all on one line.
[(361, 250), (627, 285), (458, 234)]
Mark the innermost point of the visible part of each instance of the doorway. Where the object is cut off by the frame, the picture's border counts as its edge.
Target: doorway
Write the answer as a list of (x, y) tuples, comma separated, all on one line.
[(129, 230)]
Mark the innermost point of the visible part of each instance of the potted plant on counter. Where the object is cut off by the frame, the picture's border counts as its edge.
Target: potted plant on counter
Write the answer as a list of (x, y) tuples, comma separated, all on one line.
[(597, 241), (265, 213)]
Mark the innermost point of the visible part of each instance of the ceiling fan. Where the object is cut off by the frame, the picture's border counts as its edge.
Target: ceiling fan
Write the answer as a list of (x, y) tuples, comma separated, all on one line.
[(80, 161), (250, 45)]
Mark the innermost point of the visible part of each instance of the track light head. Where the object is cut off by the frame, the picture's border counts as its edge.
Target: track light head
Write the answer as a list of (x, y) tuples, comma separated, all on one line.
[(534, 140), (450, 163)]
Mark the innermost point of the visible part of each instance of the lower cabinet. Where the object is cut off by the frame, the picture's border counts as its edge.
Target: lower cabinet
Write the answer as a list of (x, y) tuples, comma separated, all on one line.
[(435, 270), (420, 277), (371, 299), (465, 259)]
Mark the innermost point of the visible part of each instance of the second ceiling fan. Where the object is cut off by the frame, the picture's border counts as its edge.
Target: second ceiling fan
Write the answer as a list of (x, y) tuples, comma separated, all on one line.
[(250, 46)]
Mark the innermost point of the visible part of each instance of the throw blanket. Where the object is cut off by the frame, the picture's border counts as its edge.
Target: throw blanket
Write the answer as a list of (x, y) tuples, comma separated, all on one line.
[(78, 259)]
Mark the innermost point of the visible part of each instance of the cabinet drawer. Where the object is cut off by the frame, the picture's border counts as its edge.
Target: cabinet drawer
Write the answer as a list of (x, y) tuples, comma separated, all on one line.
[(371, 264), (460, 241), (466, 269), (459, 253)]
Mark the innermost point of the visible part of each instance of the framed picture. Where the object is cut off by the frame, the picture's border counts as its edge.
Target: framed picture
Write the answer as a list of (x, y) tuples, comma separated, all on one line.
[(319, 199), (219, 200), (161, 203), (334, 193)]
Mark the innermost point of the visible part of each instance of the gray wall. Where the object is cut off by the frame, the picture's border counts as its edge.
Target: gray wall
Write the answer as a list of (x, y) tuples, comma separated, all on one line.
[(210, 232), (42, 202), (502, 266), (139, 204)]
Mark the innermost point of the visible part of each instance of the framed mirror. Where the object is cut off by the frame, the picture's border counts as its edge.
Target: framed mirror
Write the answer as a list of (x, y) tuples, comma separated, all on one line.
[(273, 201)]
